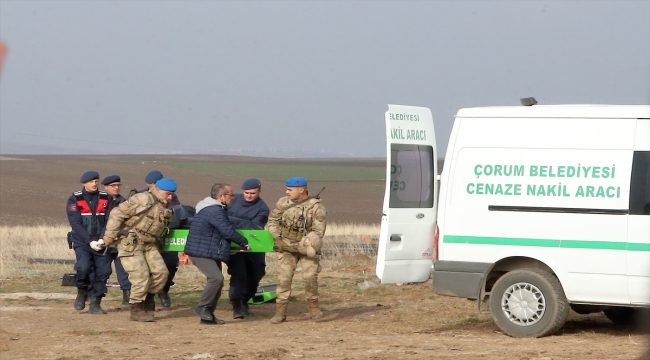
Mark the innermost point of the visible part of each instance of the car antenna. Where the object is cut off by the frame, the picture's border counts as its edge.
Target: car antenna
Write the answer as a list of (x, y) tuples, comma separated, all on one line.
[(529, 101)]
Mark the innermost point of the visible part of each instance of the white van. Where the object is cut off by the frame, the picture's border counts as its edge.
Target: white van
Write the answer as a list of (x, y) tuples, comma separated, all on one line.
[(541, 208)]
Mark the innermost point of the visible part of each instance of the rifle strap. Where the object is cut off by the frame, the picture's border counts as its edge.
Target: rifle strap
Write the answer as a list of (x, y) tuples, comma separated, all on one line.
[(298, 203), (305, 200), (144, 213)]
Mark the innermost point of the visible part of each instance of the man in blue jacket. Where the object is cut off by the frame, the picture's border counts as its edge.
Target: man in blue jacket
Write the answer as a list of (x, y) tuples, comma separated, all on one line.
[(208, 244), (112, 186), (246, 211), (87, 214), (169, 257)]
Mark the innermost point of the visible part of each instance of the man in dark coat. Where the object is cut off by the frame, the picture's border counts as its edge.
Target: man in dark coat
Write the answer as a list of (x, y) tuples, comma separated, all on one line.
[(246, 211), (112, 186), (208, 244)]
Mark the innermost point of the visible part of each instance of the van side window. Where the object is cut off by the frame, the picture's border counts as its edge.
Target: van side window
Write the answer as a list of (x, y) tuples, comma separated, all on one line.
[(411, 177), (640, 184)]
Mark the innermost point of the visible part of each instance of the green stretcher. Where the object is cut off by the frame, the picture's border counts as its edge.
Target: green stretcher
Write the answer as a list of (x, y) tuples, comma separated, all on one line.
[(258, 240), (264, 293)]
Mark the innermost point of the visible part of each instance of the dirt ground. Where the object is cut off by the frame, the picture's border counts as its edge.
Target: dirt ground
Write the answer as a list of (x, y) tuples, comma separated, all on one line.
[(384, 322), (37, 320)]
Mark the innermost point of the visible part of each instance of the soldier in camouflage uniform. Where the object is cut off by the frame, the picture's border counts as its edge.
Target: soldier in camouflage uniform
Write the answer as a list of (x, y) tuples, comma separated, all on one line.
[(134, 225), (297, 224)]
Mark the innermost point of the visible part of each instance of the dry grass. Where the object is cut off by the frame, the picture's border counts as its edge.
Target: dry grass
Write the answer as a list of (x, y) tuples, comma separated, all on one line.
[(352, 229), (20, 243), (344, 244)]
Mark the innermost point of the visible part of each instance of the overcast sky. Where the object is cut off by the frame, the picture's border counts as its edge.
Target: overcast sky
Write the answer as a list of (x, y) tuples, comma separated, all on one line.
[(301, 78)]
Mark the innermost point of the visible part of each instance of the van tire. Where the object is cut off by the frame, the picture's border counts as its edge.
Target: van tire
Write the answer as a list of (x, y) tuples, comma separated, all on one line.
[(542, 290)]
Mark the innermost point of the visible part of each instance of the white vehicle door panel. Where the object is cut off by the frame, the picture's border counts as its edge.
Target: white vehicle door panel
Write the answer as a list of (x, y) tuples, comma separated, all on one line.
[(409, 211)]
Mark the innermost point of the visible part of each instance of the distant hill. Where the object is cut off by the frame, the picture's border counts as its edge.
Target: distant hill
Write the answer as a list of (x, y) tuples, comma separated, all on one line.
[(12, 148)]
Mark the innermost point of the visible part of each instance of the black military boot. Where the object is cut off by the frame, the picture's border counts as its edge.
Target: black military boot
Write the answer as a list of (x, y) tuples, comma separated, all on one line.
[(149, 303), (245, 309), (126, 295), (95, 307), (165, 301), (237, 309), (80, 301), (207, 316)]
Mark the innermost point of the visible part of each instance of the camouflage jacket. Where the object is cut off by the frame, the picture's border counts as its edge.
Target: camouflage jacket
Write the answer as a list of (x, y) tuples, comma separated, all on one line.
[(126, 215), (291, 223)]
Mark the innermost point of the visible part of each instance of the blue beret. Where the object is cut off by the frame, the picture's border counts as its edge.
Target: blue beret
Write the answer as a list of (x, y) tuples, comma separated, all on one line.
[(89, 175), (166, 184), (251, 184), (111, 179), (153, 176), (296, 181)]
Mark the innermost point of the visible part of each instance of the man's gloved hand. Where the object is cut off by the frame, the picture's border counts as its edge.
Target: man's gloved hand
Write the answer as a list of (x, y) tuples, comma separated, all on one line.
[(107, 240), (97, 244)]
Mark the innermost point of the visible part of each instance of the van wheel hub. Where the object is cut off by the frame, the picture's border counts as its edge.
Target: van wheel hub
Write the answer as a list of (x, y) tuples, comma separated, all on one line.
[(523, 304)]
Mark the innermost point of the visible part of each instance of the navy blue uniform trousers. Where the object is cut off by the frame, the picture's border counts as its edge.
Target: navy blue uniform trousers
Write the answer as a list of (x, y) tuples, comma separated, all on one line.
[(122, 275), (93, 269), (245, 270), (171, 261)]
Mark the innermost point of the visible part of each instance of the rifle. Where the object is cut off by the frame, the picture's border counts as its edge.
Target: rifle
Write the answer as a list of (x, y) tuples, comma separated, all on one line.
[(132, 192), (318, 195)]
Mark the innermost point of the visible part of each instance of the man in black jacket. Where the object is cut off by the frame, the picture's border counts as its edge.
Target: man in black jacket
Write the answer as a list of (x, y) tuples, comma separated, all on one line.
[(87, 214), (112, 186), (246, 211)]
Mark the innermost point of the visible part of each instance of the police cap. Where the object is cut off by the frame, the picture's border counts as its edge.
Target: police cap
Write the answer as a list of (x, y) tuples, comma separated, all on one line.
[(251, 184), (111, 179), (153, 176), (89, 175)]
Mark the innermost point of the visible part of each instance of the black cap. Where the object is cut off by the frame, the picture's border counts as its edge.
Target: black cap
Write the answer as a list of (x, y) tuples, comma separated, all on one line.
[(89, 175), (251, 184), (111, 179), (153, 176)]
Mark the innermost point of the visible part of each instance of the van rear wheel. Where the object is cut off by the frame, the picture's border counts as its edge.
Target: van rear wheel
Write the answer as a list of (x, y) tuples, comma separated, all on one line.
[(528, 303)]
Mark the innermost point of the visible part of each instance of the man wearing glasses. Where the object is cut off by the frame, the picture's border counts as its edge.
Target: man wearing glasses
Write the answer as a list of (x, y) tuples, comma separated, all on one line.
[(112, 186), (134, 226), (208, 245)]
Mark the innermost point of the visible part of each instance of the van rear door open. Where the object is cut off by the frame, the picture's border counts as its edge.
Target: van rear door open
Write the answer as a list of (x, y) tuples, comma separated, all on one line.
[(410, 201)]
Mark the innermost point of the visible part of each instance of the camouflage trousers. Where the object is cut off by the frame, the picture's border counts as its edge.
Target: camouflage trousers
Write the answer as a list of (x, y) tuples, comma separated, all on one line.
[(146, 269), (287, 263)]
